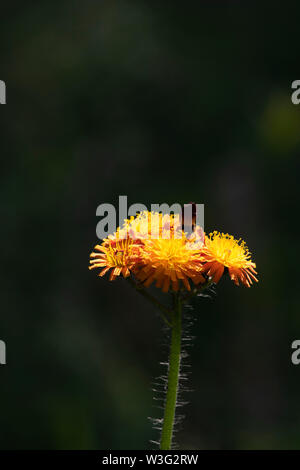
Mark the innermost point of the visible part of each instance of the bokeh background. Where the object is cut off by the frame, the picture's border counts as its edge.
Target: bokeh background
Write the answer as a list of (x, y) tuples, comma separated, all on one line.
[(162, 103)]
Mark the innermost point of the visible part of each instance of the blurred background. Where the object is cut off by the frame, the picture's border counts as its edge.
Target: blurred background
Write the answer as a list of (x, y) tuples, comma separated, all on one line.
[(166, 103)]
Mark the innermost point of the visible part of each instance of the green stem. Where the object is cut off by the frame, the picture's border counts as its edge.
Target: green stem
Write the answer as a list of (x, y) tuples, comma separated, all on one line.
[(173, 378)]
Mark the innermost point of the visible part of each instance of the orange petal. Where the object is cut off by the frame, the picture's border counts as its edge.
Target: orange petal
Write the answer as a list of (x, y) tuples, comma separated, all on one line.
[(166, 284), (104, 271), (218, 273)]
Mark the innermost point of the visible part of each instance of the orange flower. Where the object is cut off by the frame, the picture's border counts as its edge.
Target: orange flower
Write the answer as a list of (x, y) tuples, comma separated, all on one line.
[(168, 262), (224, 251), (113, 254), (153, 247)]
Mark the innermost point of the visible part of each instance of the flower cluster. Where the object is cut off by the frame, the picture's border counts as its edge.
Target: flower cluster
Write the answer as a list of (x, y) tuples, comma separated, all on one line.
[(153, 248)]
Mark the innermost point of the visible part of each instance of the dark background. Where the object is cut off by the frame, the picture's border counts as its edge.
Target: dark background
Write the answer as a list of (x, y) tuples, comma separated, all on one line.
[(167, 102)]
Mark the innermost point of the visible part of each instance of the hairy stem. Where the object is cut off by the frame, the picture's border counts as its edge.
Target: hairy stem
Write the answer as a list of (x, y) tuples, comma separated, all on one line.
[(173, 378)]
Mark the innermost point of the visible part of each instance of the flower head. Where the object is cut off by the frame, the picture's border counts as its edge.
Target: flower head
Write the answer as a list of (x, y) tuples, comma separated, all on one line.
[(112, 255), (168, 262), (222, 251)]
